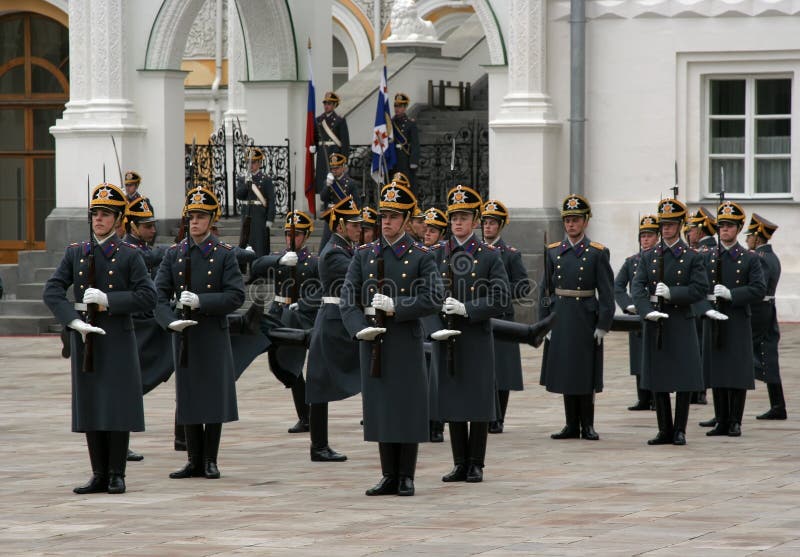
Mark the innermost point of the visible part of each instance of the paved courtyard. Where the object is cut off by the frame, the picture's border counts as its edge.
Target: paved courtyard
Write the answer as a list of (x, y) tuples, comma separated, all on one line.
[(715, 496)]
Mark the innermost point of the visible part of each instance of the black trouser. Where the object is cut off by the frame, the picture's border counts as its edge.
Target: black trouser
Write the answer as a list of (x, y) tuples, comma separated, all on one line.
[(664, 412), (645, 396), (318, 424), (299, 398), (729, 405), (468, 442), (502, 399), (398, 459), (775, 392), (108, 452), (202, 442)]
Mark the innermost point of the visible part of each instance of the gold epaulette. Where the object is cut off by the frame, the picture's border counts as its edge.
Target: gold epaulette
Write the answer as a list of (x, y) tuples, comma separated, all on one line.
[(226, 246), (422, 247), (553, 245), (365, 246), (597, 245)]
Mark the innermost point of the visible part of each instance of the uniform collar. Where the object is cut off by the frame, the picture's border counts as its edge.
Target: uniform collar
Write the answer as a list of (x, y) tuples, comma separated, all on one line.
[(205, 247), (734, 251), (469, 246), (766, 248), (342, 242), (579, 248), (399, 247), (677, 249), (109, 246)]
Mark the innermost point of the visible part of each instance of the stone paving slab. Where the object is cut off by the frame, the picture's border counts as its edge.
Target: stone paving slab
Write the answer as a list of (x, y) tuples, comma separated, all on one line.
[(617, 496)]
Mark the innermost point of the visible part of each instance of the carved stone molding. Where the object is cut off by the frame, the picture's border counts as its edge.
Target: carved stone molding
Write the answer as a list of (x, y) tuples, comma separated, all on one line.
[(269, 37), (630, 9), (168, 35), (494, 36), (201, 42)]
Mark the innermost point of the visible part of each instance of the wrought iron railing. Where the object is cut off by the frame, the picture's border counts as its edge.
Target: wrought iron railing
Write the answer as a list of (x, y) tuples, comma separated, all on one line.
[(210, 167)]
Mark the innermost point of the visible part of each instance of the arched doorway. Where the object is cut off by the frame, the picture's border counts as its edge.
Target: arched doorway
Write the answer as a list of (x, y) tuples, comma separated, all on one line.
[(34, 86)]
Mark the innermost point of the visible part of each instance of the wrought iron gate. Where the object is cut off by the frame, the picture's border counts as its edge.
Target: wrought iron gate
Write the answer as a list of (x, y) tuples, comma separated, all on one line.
[(210, 168)]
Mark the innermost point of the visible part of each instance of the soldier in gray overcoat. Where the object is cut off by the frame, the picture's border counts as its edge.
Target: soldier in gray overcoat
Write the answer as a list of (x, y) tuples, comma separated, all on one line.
[(648, 235), (727, 334), (257, 195), (669, 279), (507, 359), (333, 371), (204, 369), (391, 284), (111, 283), (579, 284), (338, 185), (296, 279), (406, 140), (766, 333), (463, 356)]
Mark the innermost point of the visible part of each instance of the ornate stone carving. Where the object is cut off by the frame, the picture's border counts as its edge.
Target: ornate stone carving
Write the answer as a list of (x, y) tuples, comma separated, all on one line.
[(201, 42), (527, 60), (407, 25), (78, 50), (236, 63), (610, 9), (270, 41), (494, 37), (169, 32)]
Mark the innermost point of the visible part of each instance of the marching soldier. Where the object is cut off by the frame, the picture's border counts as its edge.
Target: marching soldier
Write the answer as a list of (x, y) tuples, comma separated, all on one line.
[(333, 371), (406, 139), (435, 226), (295, 274), (258, 195), (668, 280), (648, 235), (477, 290), (338, 185), (416, 225), (395, 388), (203, 276), (369, 224), (330, 136), (578, 273), (507, 359), (737, 282), (132, 182), (766, 334), (110, 278), (140, 228)]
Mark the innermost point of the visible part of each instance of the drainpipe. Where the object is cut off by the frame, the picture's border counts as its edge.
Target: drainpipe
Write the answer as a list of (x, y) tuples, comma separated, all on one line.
[(577, 93), (217, 68)]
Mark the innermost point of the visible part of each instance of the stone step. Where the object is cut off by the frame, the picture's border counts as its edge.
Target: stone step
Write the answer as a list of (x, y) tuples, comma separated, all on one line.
[(43, 273), (30, 291), (31, 308), (25, 325)]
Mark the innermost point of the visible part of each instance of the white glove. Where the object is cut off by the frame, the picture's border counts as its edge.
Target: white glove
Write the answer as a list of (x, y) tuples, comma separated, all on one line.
[(269, 224), (412, 166), (289, 259), (454, 307), (190, 299), (549, 335), (181, 324), (444, 334), (249, 248), (312, 149), (294, 306), (598, 335), (95, 296), (631, 309), (716, 316), (662, 290), (383, 302), (329, 179), (370, 333), (722, 291), (656, 315), (84, 328)]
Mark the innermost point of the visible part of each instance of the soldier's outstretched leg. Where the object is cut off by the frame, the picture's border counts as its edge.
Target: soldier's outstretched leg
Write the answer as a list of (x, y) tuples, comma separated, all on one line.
[(497, 425), (388, 482), (459, 440), (211, 437), (406, 467), (318, 426), (682, 402), (666, 432), (117, 453), (98, 457), (572, 413), (437, 431), (300, 406), (587, 417), (478, 434), (777, 404), (737, 398), (645, 397), (194, 448), (721, 412)]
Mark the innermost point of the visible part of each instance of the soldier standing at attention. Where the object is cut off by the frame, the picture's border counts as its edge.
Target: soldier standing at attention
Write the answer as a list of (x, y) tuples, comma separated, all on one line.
[(416, 225), (333, 371), (406, 139), (766, 334), (395, 388), (435, 226), (205, 385), (106, 383), (507, 359), (668, 280), (338, 185), (476, 284), (727, 334), (648, 236), (580, 273), (330, 136), (369, 224), (258, 197)]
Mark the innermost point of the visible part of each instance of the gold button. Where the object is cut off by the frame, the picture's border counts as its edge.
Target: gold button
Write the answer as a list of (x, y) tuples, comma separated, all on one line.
[(680, 261), (209, 272), (82, 286), (404, 275), (113, 259), (558, 266), (472, 288), (372, 261), (405, 262), (111, 286), (180, 273), (111, 272), (208, 286), (679, 271), (737, 282), (402, 290), (371, 275), (180, 260), (306, 263), (479, 249), (80, 273), (738, 270), (81, 260), (211, 260), (581, 268), (654, 271)]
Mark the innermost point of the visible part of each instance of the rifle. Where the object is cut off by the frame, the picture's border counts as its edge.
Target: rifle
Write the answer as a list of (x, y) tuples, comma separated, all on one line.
[(293, 287), (91, 309), (660, 278), (186, 311), (716, 329), (119, 166), (244, 232), (546, 300), (380, 321), (184, 228), (450, 318)]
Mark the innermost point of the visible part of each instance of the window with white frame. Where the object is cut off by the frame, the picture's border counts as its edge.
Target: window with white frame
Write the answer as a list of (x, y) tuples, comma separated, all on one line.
[(749, 135)]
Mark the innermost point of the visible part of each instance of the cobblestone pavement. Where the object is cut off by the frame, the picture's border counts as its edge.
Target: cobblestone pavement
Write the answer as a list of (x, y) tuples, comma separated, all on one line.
[(715, 496)]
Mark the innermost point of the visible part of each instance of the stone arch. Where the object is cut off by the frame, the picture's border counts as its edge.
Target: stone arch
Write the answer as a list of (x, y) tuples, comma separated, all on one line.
[(350, 29), (494, 34), (168, 34)]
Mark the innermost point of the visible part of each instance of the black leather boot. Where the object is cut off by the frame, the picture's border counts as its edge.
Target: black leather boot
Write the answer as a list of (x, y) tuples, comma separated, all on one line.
[(98, 456), (572, 412), (406, 467), (180, 436), (478, 437), (645, 397), (737, 398), (777, 403), (497, 425), (117, 459), (388, 482), (721, 412), (459, 440), (521, 333), (437, 431), (211, 436), (666, 433), (716, 395), (133, 456), (587, 418), (300, 406), (194, 448), (682, 402), (318, 426)]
